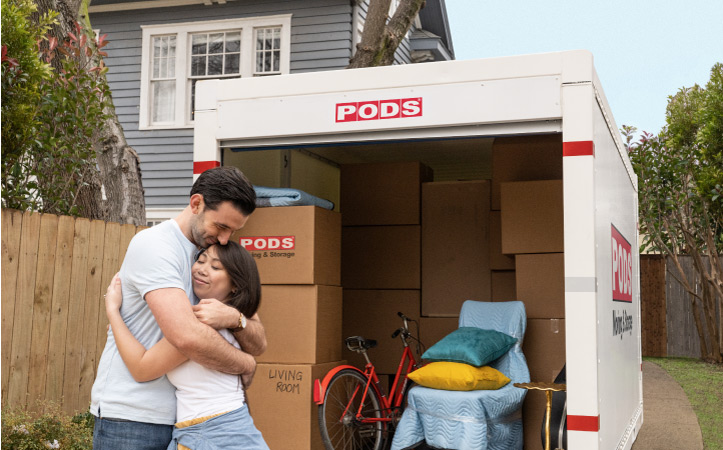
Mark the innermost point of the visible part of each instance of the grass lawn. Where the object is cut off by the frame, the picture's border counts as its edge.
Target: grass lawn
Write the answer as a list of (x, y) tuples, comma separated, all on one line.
[(703, 384)]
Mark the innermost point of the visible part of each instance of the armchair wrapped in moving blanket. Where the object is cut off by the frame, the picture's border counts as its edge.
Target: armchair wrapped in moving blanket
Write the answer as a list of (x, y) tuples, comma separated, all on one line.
[(479, 420)]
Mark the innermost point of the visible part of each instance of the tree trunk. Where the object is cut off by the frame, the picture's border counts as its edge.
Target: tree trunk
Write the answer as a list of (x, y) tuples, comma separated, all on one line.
[(380, 39), (121, 174), (118, 174)]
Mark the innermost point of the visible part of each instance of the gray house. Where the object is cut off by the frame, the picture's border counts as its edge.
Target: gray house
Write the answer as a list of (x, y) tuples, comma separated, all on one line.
[(159, 49)]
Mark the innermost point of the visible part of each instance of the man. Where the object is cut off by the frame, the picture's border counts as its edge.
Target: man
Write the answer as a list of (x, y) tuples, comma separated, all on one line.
[(157, 302)]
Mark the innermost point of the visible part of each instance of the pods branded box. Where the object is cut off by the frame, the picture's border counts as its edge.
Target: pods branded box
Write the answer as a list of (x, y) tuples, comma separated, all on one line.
[(294, 244)]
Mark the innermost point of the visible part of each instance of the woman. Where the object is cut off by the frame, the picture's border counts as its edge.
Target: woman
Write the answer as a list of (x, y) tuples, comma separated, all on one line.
[(211, 411)]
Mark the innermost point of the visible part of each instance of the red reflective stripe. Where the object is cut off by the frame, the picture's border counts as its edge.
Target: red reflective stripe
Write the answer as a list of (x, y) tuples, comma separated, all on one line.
[(202, 166), (578, 148), (583, 423)]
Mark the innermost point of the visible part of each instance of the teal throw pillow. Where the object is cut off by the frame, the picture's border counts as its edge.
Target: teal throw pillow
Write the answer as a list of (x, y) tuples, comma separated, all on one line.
[(470, 345)]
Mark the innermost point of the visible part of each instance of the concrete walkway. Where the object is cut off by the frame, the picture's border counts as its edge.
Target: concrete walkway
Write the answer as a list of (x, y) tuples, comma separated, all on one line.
[(669, 421)]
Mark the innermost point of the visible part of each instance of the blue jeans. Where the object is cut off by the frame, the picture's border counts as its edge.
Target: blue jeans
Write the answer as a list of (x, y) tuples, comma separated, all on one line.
[(234, 430), (119, 434)]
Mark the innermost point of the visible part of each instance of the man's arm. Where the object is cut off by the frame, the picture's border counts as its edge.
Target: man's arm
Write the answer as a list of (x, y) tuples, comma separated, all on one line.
[(217, 315), (197, 341)]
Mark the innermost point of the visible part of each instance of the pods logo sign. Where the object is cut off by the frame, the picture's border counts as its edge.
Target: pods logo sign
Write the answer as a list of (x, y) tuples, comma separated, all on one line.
[(379, 109), (255, 243), (622, 261)]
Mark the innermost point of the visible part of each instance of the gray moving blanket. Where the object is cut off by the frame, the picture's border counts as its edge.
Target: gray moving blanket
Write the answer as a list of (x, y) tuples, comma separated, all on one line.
[(266, 196)]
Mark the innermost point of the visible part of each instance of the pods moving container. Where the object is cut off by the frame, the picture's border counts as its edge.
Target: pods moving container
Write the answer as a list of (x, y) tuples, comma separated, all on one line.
[(478, 120)]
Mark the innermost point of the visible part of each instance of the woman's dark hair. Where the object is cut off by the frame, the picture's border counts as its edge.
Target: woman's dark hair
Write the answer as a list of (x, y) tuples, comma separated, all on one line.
[(226, 184), (244, 275)]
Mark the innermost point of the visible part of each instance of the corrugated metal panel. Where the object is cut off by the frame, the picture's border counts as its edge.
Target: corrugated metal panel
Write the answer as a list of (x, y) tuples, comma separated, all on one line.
[(321, 39)]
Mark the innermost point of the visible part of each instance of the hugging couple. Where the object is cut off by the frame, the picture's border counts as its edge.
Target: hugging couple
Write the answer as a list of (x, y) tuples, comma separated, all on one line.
[(183, 330)]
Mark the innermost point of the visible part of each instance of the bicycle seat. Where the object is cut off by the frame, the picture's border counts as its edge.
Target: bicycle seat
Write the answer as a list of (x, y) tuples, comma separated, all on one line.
[(359, 344)]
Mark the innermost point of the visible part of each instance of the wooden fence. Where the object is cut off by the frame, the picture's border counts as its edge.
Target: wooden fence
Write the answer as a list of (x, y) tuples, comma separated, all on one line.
[(668, 326), (55, 270)]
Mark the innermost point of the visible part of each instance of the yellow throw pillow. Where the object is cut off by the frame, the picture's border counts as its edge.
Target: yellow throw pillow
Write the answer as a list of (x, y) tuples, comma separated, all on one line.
[(452, 376)]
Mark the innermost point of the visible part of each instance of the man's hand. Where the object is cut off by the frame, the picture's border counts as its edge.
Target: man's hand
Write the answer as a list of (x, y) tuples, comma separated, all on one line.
[(247, 378), (216, 314)]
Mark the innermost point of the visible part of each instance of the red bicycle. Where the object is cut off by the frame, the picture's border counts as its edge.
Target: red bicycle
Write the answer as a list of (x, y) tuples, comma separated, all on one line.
[(354, 411)]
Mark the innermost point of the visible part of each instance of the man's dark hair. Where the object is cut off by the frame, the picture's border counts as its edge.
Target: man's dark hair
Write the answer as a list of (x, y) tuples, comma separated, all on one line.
[(226, 184)]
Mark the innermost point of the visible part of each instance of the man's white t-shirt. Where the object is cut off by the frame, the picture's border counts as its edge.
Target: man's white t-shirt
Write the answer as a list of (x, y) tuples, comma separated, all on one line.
[(158, 257)]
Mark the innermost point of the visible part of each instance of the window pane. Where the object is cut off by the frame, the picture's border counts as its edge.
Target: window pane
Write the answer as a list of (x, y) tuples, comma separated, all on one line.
[(193, 98), (277, 61), (267, 63), (198, 44), (231, 64), (164, 47), (172, 46), (260, 62), (171, 62), (215, 43), (163, 101), (156, 47), (198, 65), (233, 42), (215, 65), (260, 40)]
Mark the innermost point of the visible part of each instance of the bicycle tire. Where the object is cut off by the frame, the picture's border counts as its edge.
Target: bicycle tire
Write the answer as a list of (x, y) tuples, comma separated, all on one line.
[(345, 432)]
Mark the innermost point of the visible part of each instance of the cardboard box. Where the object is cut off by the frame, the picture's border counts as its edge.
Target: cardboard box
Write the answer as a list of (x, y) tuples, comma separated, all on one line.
[(382, 193), (533, 416), (503, 286), (433, 329), (532, 217), (498, 260), (525, 158), (540, 281), (294, 244), (373, 315), (281, 403), (455, 246), (544, 348), (384, 257), (302, 322)]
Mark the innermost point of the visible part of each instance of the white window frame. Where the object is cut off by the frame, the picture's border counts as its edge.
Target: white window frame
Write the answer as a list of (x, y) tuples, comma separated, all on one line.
[(183, 33), (154, 216)]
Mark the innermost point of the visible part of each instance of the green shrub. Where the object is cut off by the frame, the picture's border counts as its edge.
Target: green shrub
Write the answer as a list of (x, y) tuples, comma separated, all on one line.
[(51, 119), (23, 431)]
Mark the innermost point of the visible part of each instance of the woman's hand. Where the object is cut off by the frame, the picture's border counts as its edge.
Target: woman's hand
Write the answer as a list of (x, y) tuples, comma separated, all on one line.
[(113, 296)]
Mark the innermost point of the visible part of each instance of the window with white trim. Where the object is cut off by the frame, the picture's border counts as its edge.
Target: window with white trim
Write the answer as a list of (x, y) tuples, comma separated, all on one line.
[(176, 56)]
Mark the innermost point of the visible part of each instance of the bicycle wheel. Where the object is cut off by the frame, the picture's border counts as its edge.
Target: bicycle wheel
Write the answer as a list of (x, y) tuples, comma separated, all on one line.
[(340, 428)]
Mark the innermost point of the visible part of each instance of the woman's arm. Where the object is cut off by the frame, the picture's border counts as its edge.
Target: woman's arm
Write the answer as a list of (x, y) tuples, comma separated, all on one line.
[(144, 365)]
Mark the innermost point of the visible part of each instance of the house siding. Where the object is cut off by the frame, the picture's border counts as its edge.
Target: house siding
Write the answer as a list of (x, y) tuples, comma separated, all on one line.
[(320, 40)]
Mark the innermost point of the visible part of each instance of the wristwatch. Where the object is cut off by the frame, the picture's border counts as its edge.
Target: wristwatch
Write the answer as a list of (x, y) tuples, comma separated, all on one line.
[(241, 323)]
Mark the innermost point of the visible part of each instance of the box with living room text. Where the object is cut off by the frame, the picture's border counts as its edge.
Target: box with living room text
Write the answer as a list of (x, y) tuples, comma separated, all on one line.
[(294, 244)]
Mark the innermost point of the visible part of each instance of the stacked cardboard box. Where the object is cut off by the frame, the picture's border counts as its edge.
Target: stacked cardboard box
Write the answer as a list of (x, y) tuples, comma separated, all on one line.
[(298, 253), (455, 246), (381, 254), (527, 189)]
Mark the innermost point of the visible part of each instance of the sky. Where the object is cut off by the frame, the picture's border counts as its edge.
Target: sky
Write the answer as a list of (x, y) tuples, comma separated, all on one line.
[(643, 50)]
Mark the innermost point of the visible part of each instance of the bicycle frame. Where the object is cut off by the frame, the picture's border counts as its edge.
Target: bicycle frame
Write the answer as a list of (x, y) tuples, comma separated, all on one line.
[(396, 392)]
